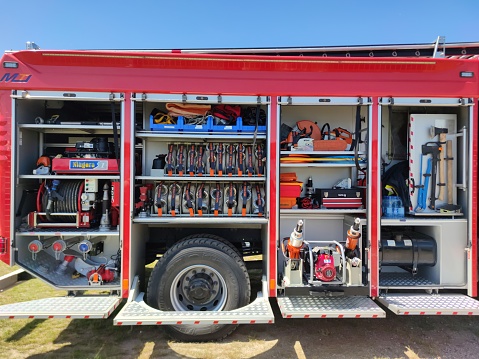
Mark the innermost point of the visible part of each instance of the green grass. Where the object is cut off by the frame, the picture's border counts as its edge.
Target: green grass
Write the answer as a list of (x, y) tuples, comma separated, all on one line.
[(5, 269)]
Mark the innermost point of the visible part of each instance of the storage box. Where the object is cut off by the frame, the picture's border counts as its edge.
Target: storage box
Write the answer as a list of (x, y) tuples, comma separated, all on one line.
[(337, 198), (288, 192), (290, 189), (85, 165), (164, 127)]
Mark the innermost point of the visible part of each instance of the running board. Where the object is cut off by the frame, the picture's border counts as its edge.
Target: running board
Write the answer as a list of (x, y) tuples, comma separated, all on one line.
[(137, 312), (430, 304), (329, 307), (84, 307)]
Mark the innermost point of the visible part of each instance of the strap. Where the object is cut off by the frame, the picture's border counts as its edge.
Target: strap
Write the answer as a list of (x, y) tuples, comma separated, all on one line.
[(200, 168), (173, 199), (415, 256), (200, 199), (241, 156), (188, 199), (217, 199), (244, 196), (169, 160), (259, 201), (180, 155), (249, 154), (219, 156), (212, 159), (260, 156), (357, 129), (229, 166), (192, 160), (231, 199)]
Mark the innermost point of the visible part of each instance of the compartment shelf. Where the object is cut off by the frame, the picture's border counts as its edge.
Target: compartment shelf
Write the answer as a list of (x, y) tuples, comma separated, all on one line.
[(315, 165), (83, 176), (50, 232), (321, 211), (195, 136), (234, 178), (205, 219), (69, 129)]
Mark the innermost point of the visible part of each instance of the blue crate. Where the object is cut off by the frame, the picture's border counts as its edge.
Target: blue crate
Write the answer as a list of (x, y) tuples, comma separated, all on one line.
[(197, 128), (226, 128), (244, 128), (163, 127)]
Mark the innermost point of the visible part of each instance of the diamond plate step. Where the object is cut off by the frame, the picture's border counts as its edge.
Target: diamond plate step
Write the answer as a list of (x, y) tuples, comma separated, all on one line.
[(87, 307), (425, 304), (405, 279), (137, 312), (329, 307)]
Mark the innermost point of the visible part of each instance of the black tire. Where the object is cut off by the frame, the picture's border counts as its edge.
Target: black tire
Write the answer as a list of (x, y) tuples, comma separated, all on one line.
[(201, 272)]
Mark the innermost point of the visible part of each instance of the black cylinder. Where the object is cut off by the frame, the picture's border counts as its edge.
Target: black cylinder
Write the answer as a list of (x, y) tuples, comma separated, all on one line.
[(407, 248)]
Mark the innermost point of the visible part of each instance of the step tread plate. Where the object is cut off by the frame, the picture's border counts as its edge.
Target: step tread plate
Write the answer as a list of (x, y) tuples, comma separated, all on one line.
[(426, 304), (329, 307), (84, 307), (137, 312)]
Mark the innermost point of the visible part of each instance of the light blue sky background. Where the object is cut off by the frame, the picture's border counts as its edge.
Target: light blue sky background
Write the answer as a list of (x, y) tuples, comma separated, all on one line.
[(181, 24)]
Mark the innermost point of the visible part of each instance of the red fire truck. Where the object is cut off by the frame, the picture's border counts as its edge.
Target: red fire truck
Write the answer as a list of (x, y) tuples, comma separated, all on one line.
[(348, 173)]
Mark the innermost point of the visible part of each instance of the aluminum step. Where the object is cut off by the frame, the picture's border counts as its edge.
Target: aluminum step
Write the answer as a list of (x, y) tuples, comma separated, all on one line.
[(137, 312), (84, 307), (329, 307), (426, 304)]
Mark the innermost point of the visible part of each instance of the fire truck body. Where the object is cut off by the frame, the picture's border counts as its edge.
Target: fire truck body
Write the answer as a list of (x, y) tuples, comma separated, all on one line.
[(354, 177)]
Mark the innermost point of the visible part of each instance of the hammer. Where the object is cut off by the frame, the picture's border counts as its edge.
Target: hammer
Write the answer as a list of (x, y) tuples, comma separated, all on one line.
[(442, 132)]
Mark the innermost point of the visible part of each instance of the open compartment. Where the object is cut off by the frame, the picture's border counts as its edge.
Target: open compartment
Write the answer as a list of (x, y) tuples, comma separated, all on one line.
[(423, 253), (432, 136), (323, 253), (66, 196)]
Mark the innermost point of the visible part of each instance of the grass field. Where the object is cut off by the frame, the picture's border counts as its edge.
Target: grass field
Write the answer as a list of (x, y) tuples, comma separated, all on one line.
[(392, 337)]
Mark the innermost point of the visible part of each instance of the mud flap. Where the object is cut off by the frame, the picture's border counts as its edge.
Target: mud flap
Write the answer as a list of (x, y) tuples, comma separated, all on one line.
[(82, 307), (434, 304), (137, 312), (329, 307)]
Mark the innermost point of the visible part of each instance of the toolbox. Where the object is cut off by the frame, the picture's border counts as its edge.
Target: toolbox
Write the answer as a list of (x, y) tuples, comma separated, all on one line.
[(348, 198)]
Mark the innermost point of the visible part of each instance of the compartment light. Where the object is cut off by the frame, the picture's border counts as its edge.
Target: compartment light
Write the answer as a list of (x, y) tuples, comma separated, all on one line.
[(10, 64), (468, 74)]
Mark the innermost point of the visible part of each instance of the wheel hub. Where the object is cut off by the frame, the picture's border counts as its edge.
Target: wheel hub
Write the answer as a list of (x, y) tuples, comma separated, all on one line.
[(198, 288)]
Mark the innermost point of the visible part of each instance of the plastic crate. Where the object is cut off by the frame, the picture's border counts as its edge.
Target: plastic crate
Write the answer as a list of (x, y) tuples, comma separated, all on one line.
[(225, 128), (196, 128), (249, 128), (164, 127)]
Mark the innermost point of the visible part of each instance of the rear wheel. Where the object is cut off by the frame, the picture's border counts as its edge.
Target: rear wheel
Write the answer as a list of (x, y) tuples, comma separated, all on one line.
[(199, 273)]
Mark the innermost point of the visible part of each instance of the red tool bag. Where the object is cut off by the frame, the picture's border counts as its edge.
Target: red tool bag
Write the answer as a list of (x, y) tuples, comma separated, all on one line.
[(226, 114)]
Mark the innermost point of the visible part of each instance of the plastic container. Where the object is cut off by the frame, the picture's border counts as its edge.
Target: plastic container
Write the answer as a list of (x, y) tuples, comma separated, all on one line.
[(392, 207)]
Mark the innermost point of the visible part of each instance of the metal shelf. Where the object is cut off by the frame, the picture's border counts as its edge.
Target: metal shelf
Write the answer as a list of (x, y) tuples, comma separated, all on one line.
[(51, 232), (71, 129), (76, 176), (205, 219), (195, 136), (203, 178), (418, 221), (316, 165), (322, 153)]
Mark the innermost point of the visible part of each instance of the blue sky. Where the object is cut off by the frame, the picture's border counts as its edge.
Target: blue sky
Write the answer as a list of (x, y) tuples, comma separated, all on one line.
[(142, 24)]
